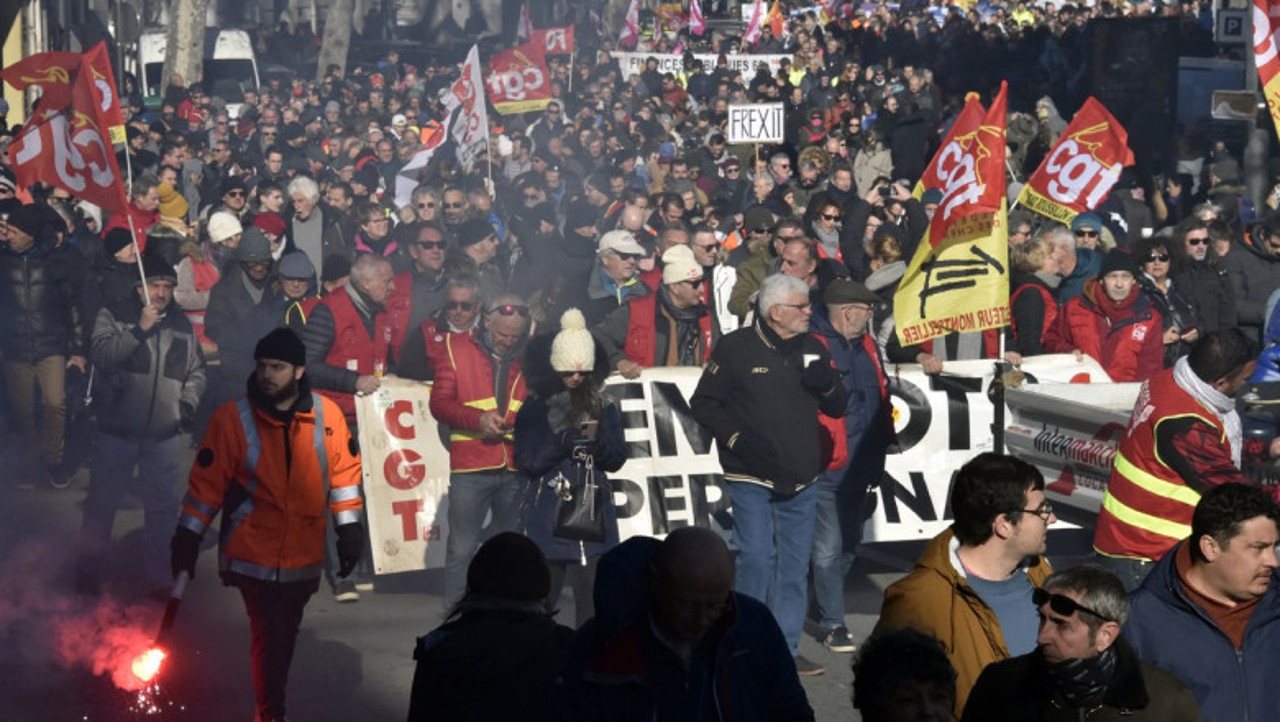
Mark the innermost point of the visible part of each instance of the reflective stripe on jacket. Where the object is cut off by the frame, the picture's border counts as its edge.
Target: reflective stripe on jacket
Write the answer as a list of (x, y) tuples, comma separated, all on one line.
[(273, 487), (1147, 508), (463, 390)]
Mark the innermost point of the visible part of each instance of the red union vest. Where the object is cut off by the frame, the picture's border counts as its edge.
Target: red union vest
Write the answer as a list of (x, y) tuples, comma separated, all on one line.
[(473, 372), (352, 347), (1050, 310), (1147, 508), (642, 331)]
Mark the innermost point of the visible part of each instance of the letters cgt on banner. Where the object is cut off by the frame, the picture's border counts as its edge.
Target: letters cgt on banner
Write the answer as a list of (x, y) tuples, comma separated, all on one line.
[(959, 279), (1079, 172)]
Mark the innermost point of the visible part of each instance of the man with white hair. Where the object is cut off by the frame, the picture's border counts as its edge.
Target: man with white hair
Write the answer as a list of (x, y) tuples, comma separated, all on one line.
[(670, 327), (313, 229), (760, 396)]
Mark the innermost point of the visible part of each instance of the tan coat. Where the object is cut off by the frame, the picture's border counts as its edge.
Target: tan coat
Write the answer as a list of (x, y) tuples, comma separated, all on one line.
[(934, 598)]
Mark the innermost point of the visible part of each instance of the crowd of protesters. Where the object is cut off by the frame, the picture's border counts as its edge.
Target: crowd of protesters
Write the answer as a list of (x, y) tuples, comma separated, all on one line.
[(613, 231)]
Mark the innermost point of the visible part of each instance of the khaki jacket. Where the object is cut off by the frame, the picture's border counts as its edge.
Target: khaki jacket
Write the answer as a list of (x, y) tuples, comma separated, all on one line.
[(934, 598)]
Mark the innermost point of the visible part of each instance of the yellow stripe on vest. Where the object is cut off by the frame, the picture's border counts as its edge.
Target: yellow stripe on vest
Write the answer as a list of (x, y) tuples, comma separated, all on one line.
[(1154, 484), (1144, 521)]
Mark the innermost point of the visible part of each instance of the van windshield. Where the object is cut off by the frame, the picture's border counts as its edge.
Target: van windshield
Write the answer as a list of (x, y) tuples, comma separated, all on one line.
[(225, 78)]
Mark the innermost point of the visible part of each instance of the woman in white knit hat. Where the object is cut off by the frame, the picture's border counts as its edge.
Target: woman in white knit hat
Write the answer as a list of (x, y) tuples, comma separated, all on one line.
[(566, 435)]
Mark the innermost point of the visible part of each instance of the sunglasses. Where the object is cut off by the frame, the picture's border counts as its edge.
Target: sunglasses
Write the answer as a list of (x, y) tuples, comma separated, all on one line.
[(1161, 257), (571, 374), (768, 229), (710, 247), (430, 245), (460, 305), (454, 205), (1198, 241), (426, 205), (1062, 604), (235, 194), (831, 216), (510, 309), (1086, 234)]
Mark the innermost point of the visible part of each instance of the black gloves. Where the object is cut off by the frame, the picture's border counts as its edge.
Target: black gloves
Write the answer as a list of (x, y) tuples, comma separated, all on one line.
[(184, 548), (819, 377), (350, 546)]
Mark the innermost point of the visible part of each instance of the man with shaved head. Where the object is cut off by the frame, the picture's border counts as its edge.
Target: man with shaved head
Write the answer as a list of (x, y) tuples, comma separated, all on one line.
[(672, 640)]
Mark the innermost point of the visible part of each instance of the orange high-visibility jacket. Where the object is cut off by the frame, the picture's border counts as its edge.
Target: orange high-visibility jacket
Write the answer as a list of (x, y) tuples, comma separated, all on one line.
[(272, 486)]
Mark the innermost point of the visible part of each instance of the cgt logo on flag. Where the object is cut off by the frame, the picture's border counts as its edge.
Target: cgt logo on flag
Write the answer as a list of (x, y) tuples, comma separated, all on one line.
[(960, 171), (1082, 168), (517, 80), (1076, 168), (73, 151)]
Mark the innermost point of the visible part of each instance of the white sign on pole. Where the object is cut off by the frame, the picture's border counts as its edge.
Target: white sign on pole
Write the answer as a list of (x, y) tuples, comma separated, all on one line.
[(756, 123)]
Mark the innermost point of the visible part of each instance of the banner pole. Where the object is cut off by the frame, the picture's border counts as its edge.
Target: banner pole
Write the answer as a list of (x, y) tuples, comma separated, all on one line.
[(133, 231)]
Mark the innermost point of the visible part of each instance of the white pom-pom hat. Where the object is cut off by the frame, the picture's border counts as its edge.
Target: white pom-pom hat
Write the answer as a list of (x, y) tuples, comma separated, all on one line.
[(573, 349)]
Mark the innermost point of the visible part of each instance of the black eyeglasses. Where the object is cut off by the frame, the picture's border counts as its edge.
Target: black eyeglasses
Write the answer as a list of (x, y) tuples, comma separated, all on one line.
[(454, 205), (430, 245), (235, 194), (767, 229), (510, 309), (426, 205), (1198, 241), (1086, 234), (1062, 604), (1044, 511), (831, 216), (459, 305), (1161, 257)]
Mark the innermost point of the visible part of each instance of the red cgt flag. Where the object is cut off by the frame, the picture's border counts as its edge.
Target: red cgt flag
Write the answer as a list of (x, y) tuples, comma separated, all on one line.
[(1079, 172), (969, 167), (51, 72), (519, 80), (69, 148)]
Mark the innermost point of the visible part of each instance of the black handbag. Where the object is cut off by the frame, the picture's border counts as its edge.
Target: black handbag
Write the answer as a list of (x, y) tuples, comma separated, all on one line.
[(580, 508)]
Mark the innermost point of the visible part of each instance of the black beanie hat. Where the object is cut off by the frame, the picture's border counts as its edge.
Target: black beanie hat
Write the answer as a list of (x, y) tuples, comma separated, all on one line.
[(509, 566), (117, 238), (1118, 260), (282, 345)]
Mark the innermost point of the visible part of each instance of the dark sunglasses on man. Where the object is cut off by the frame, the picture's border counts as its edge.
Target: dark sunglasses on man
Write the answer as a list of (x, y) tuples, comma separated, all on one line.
[(1062, 604)]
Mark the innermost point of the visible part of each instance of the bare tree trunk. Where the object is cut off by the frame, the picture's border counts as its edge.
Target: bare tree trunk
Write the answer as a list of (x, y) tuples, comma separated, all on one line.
[(184, 49), (337, 37)]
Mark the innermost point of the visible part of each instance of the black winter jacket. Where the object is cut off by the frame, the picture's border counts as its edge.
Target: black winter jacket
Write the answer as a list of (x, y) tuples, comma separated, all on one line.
[(750, 394), (1020, 690), (41, 308)]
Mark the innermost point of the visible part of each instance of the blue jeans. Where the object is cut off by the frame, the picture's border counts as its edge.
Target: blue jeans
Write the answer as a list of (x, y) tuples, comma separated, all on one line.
[(109, 481), (471, 496), (774, 537), (832, 559)]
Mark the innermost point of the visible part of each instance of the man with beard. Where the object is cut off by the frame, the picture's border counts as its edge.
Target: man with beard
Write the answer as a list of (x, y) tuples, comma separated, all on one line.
[(151, 375), (669, 327), (478, 389), (273, 461), (313, 229), (348, 340)]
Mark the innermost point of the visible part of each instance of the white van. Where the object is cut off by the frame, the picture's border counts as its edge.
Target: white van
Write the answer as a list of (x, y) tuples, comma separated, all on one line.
[(230, 66)]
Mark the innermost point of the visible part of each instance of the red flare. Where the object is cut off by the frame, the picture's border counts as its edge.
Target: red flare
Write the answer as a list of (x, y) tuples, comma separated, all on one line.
[(146, 666)]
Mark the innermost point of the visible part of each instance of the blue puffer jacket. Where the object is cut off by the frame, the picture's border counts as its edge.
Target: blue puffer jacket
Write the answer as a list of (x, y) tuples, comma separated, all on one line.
[(1169, 630), (619, 671)]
